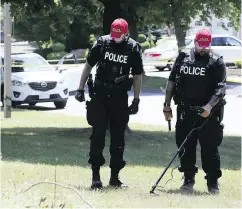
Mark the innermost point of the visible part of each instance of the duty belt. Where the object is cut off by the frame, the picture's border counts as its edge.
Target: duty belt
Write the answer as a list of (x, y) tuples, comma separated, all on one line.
[(187, 106), (99, 83), (117, 82)]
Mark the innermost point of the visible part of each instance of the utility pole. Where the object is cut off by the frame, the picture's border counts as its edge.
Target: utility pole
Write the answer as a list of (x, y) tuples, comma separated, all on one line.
[(7, 62)]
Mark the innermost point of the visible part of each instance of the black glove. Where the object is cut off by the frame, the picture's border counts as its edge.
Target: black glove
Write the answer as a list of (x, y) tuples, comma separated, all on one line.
[(134, 107), (80, 96)]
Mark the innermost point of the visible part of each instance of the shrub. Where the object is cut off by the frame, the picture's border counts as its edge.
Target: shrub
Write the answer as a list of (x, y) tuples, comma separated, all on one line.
[(86, 53), (58, 47), (238, 63), (141, 38), (43, 52), (145, 45), (56, 55), (92, 39)]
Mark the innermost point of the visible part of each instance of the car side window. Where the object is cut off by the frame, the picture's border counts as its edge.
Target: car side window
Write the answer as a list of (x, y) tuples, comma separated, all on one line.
[(218, 41), (69, 59), (232, 42), (17, 66)]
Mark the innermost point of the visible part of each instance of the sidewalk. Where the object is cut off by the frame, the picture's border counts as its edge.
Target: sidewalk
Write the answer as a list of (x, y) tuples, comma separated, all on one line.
[(151, 110), (234, 79)]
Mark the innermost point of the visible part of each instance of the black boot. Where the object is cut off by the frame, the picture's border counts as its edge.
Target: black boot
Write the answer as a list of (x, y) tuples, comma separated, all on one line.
[(189, 181), (212, 183), (96, 182), (114, 179)]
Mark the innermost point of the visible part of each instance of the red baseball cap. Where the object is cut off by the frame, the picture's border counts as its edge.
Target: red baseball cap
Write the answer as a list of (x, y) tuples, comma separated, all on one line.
[(118, 28), (203, 38)]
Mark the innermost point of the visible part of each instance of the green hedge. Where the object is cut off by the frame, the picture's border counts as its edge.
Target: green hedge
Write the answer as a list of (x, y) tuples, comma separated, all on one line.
[(56, 55), (43, 52), (58, 47), (238, 63), (145, 45), (92, 39), (141, 38)]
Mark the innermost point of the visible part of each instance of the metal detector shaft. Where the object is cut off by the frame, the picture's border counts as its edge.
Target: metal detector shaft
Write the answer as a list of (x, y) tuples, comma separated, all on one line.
[(155, 185)]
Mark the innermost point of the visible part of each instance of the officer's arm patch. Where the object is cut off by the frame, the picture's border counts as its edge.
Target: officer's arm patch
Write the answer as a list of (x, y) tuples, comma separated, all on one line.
[(137, 64), (94, 54), (137, 48)]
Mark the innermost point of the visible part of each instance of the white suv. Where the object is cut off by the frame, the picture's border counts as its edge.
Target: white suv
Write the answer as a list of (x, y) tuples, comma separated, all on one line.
[(37, 81), (225, 45), (229, 47)]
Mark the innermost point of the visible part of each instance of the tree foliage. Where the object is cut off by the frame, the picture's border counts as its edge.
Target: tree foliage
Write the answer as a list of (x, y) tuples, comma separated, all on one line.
[(72, 21), (180, 13), (67, 21)]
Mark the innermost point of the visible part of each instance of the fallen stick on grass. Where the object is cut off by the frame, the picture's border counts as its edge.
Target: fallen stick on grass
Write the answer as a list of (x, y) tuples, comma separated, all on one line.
[(66, 187)]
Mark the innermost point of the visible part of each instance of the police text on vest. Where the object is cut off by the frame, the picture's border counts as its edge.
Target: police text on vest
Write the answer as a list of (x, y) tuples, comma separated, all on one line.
[(116, 57), (193, 70)]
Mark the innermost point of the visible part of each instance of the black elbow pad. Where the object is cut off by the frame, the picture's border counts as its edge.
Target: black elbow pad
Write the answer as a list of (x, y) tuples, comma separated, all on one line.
[(221, 91)]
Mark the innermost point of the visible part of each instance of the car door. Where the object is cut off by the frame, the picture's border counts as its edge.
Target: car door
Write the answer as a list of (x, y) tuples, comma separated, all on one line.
[(218, 46), (170, 50), (233, 49), (227, 47), (71, 70)]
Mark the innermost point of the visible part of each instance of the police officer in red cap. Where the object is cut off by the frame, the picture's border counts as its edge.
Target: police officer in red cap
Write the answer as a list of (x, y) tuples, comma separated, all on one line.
[(116, 56), (198, 79)]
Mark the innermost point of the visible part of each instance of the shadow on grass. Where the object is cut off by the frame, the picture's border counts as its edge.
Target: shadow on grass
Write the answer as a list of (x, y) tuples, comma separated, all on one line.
[(181, 192), (71, 146), (25, 107)]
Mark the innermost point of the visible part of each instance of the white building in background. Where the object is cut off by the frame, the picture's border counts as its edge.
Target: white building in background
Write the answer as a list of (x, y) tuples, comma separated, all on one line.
[(218, 26)]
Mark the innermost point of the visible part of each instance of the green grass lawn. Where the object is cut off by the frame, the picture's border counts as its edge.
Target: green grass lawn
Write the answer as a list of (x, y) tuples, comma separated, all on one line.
[(32, 140), (152, 82)]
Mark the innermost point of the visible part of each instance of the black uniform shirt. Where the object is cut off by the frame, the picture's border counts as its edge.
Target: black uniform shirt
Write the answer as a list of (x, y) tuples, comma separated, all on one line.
[(114, 60), (199, 79)]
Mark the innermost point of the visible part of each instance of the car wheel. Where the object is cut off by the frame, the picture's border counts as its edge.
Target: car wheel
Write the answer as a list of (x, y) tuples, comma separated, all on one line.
[(160, 68), (169, 67), (31, 104), (14, 104), (60, 104)]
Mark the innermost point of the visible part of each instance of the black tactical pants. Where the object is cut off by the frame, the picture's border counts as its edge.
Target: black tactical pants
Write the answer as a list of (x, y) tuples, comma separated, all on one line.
[(210, 137), (107, 108)]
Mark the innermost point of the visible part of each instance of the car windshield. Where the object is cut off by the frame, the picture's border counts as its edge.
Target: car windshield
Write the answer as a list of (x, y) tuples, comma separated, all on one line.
[(31, 64), (188, 41), (168, 44), (173, 43)]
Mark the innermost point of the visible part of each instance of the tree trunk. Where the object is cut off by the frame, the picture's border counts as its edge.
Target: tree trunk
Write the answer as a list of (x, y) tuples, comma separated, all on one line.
[(112, 10), (132, 20), (180, 34), (180, 29)]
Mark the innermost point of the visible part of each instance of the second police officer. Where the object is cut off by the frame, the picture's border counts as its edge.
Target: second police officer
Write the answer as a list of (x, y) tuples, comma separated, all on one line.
[(199, 80)]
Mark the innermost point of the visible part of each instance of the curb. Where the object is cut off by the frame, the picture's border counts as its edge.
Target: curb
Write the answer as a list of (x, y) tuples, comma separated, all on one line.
[(236, 81)]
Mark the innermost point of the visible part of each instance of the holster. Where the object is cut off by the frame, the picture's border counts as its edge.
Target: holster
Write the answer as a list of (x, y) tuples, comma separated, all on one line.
[(176, 99), (90, 114), (126, 84), (221, 112)]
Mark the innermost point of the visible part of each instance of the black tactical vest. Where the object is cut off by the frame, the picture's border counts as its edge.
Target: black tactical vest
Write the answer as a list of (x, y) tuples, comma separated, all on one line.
[(196, 85), (115, 60)]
